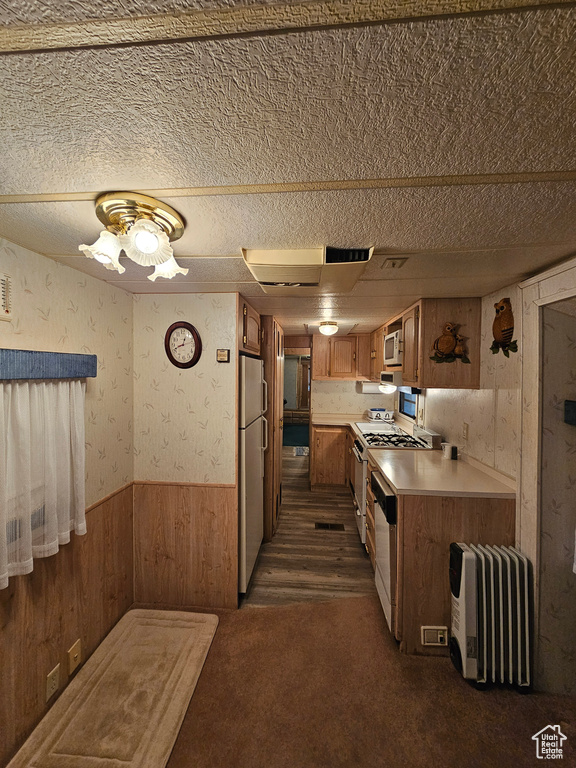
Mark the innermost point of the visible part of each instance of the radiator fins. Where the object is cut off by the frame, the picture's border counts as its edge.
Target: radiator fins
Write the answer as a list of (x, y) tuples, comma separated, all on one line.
[(491, 593)]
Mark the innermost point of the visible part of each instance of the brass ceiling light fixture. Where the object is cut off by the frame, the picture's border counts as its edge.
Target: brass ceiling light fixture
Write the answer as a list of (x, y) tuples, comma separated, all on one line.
[(140, 226)]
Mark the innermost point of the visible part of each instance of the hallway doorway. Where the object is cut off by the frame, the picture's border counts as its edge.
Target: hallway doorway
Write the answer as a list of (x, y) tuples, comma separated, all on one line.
[(296, 398)]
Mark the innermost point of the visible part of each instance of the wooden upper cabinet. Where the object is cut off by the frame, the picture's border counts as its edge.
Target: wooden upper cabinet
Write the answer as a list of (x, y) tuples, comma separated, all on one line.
[(363, 356), (320, 356), (341, 357), (377, 352), (410, 346), (249, 329), (424, 332)]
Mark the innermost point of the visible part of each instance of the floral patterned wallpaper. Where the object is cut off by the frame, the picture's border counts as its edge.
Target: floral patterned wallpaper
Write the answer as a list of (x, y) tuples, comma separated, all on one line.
[(185, 419), (58, 309), (557, 625), (491, 412), (344, 397)]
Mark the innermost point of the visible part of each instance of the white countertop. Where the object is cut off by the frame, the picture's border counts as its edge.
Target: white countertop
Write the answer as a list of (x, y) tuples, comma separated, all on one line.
[(337, 420), (427, 473)]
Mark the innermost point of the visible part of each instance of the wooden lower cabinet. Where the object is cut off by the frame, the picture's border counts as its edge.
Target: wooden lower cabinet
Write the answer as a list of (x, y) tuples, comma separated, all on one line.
[(426, 527), (327, 457)]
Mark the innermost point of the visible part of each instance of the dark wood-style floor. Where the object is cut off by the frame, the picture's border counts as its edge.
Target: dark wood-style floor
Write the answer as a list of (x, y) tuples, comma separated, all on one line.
[(303, 563)]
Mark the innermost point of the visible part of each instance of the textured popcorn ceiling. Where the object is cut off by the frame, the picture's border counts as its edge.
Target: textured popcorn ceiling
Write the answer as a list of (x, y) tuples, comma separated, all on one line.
[(18, 12), (376, 106)]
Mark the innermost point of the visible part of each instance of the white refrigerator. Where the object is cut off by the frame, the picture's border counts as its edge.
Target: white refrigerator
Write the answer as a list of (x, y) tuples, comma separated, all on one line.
[(253, 441)]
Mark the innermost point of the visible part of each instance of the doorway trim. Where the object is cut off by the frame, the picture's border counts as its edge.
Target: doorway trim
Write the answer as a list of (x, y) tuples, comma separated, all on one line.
[(537, 292)]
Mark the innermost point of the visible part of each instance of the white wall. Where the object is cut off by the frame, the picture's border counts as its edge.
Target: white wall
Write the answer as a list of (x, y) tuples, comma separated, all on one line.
[(491, 412), (345, 397), (185, 419), (58, 309)]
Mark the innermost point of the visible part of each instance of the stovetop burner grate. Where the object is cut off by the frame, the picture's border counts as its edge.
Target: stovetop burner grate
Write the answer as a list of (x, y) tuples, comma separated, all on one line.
[(383, 440)]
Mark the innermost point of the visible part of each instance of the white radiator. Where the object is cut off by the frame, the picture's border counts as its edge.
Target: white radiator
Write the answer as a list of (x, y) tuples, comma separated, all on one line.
[(491, 613)]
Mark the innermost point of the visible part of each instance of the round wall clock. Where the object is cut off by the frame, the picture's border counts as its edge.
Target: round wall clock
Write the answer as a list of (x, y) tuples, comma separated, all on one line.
[(182, 344)]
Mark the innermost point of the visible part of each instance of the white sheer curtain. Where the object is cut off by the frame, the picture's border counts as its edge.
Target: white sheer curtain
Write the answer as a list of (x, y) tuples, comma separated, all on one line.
[(41, 470)]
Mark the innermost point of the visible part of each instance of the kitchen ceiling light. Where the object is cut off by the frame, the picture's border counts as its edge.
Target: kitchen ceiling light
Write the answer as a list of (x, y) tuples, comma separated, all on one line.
[(140, 226), (387, 389), (328, 328)]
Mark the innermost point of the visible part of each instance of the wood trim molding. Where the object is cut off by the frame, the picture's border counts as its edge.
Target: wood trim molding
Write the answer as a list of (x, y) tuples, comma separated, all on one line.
[(242, 20), (184, 485), (564, 266), (104, 499), (326, 185)]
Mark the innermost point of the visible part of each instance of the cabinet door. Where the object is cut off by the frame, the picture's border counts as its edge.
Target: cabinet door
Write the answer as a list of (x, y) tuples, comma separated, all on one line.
[(363, 360), (250, 330), (377, 353), (343, 357), (410, 334), (320, 357), (328, 465)]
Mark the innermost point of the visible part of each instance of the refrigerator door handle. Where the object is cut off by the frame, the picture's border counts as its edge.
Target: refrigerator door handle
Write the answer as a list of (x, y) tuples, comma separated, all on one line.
[(265, 425), (265, 401)]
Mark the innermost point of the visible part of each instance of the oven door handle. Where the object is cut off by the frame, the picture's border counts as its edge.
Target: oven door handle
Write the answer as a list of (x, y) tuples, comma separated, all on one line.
[(357, 455)]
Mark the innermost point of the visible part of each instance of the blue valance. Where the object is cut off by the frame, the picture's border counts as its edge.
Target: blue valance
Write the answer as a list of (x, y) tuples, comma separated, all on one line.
[(30, 364)]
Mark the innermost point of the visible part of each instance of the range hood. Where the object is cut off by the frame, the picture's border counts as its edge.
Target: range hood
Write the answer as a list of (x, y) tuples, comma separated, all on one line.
[(304, 272)]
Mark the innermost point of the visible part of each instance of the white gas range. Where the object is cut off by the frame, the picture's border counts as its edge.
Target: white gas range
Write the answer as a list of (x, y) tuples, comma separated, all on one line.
[(386, 435)]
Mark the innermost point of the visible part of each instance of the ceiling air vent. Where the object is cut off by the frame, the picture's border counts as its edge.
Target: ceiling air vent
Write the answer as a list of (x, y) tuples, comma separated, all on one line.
[(307, 271), (347, 255)]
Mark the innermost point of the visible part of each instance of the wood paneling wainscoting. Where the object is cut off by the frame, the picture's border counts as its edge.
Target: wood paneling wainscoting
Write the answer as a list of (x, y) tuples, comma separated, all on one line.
[(186, 545), (80, 592)]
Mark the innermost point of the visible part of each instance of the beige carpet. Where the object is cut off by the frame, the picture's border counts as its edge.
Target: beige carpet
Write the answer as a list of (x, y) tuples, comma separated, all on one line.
[(126, 705)]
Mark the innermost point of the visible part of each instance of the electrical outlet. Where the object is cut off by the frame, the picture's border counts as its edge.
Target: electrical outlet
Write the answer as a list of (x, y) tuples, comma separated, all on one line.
[(74, 656), (434, 635), (465, 430), (52, 682), (421, 416)]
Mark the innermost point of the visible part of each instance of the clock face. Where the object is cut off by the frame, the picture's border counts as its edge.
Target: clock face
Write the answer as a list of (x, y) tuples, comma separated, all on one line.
[(183, 345)]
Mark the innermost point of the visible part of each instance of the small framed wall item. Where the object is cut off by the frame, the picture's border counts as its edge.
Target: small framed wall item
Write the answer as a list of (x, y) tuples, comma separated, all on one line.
[(183, 345)]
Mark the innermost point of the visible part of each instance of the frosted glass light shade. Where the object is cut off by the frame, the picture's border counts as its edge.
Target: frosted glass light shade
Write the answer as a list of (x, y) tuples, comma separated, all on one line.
[(146, 242), (139, 243), (329, 328), (387, 389), (168, 269), (106, 250)]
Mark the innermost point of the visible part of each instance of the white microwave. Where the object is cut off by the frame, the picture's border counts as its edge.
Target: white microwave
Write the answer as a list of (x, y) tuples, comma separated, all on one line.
[(393, 348)]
